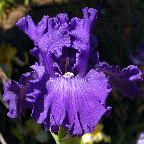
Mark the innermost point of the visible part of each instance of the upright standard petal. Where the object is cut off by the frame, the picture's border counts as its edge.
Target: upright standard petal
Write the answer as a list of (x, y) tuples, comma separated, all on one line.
[(125, 80), (35, 32), (51, 35), (82, 39)]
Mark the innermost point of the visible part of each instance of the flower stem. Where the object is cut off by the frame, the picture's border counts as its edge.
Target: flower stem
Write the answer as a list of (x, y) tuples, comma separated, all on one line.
[(2, 139)]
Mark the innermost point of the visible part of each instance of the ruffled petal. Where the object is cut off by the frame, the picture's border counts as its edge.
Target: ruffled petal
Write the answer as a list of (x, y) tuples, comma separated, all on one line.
[(75, 103), (125, 80), (35, 32), (36, 90), (37, 85), (14, 94), (82, 39), (54, 40), (51, 35), (25, 78)]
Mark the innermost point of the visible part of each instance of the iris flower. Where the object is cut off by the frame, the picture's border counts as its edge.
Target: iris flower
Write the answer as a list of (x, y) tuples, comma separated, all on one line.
[(139, 60), (141, 139), (65, 88)]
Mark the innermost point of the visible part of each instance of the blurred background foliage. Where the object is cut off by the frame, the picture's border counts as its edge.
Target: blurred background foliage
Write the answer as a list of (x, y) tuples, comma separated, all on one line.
[(8, 4), (119, 30)]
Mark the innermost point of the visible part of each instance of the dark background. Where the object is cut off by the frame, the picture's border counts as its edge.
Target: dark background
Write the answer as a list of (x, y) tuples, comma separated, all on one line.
[(119, 30)]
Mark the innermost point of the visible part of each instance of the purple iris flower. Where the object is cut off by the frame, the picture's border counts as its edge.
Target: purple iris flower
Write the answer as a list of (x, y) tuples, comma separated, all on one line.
[(64, 88), (141, 139), (123, 80), (139, 60), (15, 95)]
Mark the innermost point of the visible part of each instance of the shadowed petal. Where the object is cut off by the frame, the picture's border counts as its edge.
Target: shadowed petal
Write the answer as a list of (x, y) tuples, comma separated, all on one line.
[(36, 52), (125, 80), (37, 89), (14, 94)]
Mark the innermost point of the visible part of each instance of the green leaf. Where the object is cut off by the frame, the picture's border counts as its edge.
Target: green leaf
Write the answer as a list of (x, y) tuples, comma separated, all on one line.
[(70, 140), (64, 138), (62, 133), (55, 137)]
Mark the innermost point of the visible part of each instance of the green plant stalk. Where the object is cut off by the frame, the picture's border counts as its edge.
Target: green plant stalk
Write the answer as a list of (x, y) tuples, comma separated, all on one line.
[(55, 137)]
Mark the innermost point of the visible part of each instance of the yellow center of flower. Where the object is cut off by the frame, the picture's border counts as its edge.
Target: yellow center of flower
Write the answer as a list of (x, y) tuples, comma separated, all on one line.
[(68, 75), (97, 136)]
